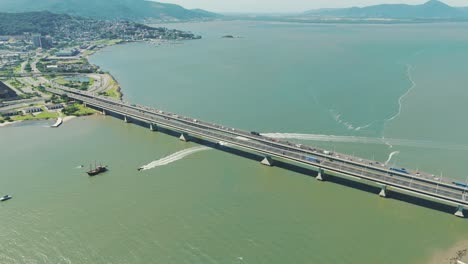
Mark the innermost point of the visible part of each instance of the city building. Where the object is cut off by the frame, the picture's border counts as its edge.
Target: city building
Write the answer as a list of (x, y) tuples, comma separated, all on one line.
[(10, 113), (67, 53), (42, 41), (32, 110), (54, 106), (37, 41), (46, 42)]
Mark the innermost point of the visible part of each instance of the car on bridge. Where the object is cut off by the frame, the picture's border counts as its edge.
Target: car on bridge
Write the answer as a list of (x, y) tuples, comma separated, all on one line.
[(460, 184), (402, 170), (312, 159)]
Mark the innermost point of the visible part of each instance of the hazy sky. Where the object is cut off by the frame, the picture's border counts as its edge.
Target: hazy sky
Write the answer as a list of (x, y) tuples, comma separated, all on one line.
[(288, 5)]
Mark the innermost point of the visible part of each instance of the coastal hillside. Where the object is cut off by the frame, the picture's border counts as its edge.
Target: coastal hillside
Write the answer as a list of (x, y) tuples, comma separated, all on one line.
[(108, 9), (34, 22), (432, 9), (64, 26)]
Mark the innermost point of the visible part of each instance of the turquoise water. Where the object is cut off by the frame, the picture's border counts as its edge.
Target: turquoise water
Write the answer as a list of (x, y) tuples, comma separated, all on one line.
[(214, 207)]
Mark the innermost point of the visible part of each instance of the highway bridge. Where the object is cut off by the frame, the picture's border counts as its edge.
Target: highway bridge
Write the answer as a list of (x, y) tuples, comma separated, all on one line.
[(411, 182)]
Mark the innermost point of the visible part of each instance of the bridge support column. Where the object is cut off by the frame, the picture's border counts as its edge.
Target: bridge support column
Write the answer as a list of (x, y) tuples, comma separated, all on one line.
[(268, 161), (184, 137), (103, 112), (84, 104), (459, 212), (153, 127), (126, 120), (320, 175), (383, 191)]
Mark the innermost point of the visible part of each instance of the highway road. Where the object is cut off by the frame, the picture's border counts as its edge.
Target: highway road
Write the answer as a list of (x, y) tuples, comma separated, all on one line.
[(314, 151), (337, 163)]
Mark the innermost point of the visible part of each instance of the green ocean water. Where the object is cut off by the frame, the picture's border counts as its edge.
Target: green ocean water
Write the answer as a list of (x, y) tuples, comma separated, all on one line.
[(353, 88)]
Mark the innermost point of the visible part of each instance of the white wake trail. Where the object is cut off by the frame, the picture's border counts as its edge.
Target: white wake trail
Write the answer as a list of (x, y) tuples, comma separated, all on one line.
[(413, 85), (369, 140), (328, 138), (338, 118), (391, 156), (173, 157)]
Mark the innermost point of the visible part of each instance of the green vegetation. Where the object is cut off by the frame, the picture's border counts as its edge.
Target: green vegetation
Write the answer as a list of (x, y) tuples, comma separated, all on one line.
[(81, 85), (28, 96), (114, 91), (61, 81), (41, 88), (67, 27), (16, 84), (5, 119), (28, 68), (17, 69), (107, 9), (36, 22), (77, 110), (40, 66), (40, 116)]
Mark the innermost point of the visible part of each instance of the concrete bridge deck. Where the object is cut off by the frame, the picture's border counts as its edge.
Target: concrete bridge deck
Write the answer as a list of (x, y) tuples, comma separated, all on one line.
[(415, 183)]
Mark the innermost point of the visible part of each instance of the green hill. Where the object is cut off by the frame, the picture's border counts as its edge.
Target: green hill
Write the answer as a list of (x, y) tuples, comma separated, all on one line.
[(32, 22), (108, 9)]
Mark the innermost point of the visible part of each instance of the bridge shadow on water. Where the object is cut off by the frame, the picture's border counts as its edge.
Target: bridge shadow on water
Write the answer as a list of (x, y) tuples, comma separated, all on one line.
[(357, 184)]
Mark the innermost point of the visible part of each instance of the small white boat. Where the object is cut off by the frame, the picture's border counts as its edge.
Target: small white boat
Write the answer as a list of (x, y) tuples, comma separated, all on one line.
[(5, 198)]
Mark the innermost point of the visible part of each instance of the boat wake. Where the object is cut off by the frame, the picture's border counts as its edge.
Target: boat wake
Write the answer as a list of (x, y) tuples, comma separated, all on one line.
[(337, 117), (369, 140), (391, 156), (409, 68), (173, 157)]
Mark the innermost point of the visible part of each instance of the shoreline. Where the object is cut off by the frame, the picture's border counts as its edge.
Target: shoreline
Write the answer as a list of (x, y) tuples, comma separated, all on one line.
[(64, 120), (457, 254), (9, 123)]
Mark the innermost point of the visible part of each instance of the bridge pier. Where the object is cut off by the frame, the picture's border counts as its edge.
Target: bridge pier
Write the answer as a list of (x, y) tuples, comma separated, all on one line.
[(126, 120), (268, 161), (84, 104), (184, 137), (383, 191), (320, 175), (459, 212), (153, 127), (103, 112)]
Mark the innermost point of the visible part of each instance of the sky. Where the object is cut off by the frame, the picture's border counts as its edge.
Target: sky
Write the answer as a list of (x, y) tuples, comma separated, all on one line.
[(266, 6)]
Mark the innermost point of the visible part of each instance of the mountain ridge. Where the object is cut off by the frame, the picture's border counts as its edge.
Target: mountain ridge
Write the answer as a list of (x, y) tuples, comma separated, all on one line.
[(108, 9), (431, 9)]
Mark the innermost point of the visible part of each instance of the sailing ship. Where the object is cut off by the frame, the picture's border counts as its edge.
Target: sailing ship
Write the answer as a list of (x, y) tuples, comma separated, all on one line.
[(97, 170)]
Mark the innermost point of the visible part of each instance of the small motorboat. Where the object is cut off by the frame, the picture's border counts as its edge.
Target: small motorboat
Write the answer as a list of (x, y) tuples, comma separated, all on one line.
[(140, 169), (5, 198)]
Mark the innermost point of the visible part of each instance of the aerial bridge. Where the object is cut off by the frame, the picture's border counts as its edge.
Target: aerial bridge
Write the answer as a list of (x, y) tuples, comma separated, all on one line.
[(415, 183)]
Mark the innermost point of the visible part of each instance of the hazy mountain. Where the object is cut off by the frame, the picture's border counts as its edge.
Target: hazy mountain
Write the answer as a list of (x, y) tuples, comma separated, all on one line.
[(432, 9), (107, 9)]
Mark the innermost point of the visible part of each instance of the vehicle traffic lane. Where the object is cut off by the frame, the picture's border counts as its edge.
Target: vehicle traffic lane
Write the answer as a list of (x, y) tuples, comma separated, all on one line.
[(281, 152)]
